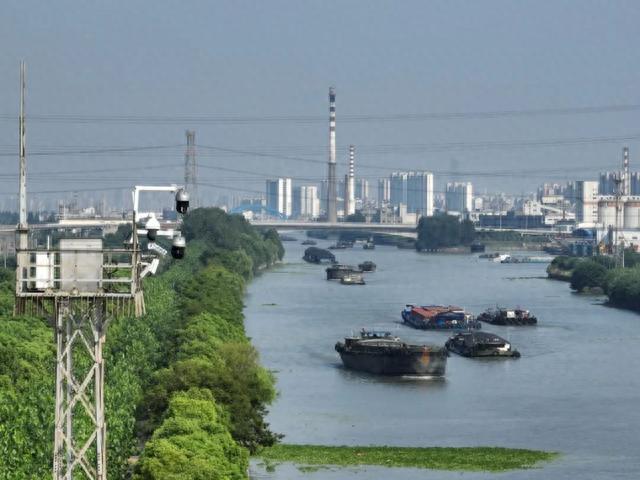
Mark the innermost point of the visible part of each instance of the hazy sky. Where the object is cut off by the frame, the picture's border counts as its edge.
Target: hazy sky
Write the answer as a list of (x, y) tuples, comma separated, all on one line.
[(138, 74)]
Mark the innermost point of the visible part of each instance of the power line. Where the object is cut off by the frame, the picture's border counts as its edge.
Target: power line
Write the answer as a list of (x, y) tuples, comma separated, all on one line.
[(235, 119)]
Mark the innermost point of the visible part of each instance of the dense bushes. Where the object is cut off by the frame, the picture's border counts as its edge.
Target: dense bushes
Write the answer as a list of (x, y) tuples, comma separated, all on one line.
[(443, 231), (193, 443), (26, 398), (588, 274)]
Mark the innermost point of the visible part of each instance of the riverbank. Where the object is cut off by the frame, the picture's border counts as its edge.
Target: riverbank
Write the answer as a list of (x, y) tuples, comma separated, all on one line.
[(599, 275), (475, 459)]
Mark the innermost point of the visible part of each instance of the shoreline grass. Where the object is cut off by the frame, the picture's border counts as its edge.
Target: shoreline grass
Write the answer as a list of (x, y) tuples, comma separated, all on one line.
[(487, 459)]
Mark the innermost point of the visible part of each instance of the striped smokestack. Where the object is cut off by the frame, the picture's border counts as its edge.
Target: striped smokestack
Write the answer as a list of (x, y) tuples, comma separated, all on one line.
[(626, 179), (332, 213), (350, 194)]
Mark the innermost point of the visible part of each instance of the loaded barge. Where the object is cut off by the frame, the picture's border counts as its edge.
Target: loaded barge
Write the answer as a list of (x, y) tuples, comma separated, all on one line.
[(382, 353), (505, 316), (339, 271), (439, 317), (480, 344)]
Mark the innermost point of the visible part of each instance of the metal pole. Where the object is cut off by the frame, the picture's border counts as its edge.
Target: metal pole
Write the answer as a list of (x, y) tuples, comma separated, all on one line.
[(23, 229)]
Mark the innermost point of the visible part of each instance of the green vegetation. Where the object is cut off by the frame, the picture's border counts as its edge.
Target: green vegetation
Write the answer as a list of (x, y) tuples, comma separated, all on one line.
[(599, 274), (183, 380), (441, 231), (490, 459)]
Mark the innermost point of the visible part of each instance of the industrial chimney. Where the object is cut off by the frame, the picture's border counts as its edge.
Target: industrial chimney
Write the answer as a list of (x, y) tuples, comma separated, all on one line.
[(350, 185), (332, 213)]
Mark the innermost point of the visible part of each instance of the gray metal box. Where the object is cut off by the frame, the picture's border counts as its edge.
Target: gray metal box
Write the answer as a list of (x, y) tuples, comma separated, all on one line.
[(81, 265)]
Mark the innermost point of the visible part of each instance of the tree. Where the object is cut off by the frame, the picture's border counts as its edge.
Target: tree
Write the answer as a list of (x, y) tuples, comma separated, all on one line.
[(588, 274)]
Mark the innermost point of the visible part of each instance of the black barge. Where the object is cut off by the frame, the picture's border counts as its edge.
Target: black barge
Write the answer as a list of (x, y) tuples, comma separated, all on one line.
[(506, 316), (382, 353), (480, 344)]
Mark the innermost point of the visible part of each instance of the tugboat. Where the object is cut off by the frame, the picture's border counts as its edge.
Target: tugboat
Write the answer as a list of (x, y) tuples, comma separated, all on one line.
[(505, 316), (439, 317), (318, 255), (367, 266), (309, 242), (382, 353), (338, 271), (369, 245), (352, 279), (480, 344)]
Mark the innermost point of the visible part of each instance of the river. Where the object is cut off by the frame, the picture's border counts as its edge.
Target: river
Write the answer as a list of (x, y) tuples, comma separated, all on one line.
[(576, 389)]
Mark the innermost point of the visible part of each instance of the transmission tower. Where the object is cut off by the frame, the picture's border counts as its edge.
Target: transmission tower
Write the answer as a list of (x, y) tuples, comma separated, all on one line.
[(190, 168), (81, 286)]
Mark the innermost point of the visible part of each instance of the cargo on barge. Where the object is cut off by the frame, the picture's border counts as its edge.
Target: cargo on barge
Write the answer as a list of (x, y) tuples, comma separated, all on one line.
[(438, 317)]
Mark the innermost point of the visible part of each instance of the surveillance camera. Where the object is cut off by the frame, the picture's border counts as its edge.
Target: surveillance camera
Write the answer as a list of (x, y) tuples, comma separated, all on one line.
[(182, 201), (152, 226), (178, 247)]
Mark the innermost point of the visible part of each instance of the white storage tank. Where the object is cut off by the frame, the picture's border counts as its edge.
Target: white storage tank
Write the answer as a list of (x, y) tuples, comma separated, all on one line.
[(632, 214), (607, 213)]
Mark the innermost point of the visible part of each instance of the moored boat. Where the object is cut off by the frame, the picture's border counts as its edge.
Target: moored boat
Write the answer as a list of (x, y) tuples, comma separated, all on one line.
[(383, 353), (367, 266), (480, 344), (438, 317), (508, 316)]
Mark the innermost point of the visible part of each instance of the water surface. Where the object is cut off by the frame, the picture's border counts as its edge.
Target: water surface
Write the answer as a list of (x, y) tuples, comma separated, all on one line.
[(575, 390)]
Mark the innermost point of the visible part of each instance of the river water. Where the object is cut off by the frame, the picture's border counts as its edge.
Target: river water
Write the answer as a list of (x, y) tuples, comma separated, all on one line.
[(576, 389)]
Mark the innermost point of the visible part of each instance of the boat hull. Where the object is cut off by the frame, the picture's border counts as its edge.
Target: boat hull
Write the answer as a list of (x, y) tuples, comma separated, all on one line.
[(419, 363)]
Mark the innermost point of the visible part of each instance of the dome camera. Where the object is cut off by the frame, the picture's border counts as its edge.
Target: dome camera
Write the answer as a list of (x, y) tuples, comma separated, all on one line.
[(182, 201), (178, 247), (152, 226)]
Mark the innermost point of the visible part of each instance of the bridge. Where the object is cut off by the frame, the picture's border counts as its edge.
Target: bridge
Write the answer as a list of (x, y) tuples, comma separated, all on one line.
[(401, 229)]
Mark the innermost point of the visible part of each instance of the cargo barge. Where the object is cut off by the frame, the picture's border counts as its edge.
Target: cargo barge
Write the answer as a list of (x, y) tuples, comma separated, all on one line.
[(338, 271), (505, 316), (438, 317), (318, 255), (480, 344), (385, 354)]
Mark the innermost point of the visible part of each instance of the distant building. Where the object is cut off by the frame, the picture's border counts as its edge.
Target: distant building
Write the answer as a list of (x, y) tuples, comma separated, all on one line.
[(586, 197), (459, 197), (306, 203), (398, 188), (384, 191), (279, 196), (362, 189), (420, 193)]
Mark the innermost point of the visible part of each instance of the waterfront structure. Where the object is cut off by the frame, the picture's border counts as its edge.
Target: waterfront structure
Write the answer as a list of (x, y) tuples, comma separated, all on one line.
[(279, 196), (459, 197), (306, 203)]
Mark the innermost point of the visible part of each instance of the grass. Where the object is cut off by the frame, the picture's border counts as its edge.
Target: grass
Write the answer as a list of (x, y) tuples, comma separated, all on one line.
[(487, 459)]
